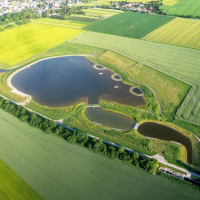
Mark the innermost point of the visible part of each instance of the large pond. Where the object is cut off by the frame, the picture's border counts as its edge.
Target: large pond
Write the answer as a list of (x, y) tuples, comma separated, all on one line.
[(159, 131), (108, 118), (3, 70), (64, 81)]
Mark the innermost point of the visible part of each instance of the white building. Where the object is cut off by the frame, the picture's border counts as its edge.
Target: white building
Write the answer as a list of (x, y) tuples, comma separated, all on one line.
[(4, 3)]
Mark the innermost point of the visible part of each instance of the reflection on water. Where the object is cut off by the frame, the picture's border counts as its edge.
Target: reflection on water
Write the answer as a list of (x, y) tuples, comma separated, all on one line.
[(159, 131), (65, 80), (108, 118)]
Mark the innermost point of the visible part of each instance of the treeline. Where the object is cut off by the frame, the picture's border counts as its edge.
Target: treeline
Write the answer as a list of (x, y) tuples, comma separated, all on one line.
[(78, 137), (18, 18), (64, 12)]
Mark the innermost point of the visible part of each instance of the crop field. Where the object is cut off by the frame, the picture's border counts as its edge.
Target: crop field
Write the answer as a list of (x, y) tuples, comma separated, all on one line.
[(129, 24), (82, 19), (56, 169), (20, 43), (169, 2), (184, 8), (178, 62), (64, 23), (101, 12), (12, 187), (182, 32), (165, 2)]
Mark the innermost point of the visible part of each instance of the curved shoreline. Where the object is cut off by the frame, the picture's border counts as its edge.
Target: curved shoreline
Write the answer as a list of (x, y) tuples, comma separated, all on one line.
[(116, 79), (95, 67), (132, 92), (15, 90)]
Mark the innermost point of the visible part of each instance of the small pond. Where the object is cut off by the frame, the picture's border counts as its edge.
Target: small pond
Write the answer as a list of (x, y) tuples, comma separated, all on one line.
[(159, 131), (67, 80), (137, 90), (108, 118), (99, 67)]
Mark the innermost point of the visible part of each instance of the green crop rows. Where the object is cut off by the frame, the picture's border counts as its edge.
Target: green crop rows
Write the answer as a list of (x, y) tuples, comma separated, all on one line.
[(129, 24), (184, 8), (178, 62)]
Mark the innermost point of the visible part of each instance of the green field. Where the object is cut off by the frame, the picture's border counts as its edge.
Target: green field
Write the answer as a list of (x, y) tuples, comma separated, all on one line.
[(169, 2), (165, 2), (20, 43), (59, 170), (101, 12), (184, 8), (83, 19), (63, 23), (181, 63), (181, 32), (12, 187), (129, 24)]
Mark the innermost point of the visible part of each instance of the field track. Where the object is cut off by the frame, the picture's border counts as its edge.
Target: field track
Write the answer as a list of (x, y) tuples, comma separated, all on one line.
[(180, 31), (178, 62), (59, 170)]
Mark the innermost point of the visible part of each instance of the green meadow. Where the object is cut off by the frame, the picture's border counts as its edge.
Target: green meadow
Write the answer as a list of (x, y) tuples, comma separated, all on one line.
[(56, 169)]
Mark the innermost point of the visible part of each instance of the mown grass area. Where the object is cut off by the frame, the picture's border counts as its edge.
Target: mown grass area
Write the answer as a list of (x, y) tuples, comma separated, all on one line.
[(184, 8), (20, 43), (64, 23), (181, 32), (54, 113), (12, 187), (180, 63), (172, 153), (54, 168), (129, 24)]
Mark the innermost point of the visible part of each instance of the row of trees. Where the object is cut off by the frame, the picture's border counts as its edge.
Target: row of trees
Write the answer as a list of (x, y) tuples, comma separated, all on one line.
[(97, 145), (64, 12), (19, 17)]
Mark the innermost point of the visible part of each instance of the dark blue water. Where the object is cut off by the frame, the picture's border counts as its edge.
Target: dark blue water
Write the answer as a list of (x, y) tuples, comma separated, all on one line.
[(67, 80), (108, 118), (155, 130)]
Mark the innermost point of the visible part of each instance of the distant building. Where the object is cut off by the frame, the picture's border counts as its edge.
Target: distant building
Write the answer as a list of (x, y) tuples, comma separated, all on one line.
[(4, 3)]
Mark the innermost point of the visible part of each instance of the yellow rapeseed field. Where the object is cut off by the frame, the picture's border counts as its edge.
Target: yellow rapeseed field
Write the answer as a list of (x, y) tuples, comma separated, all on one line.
[(169, 2), (182, 32), (20, 43)]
